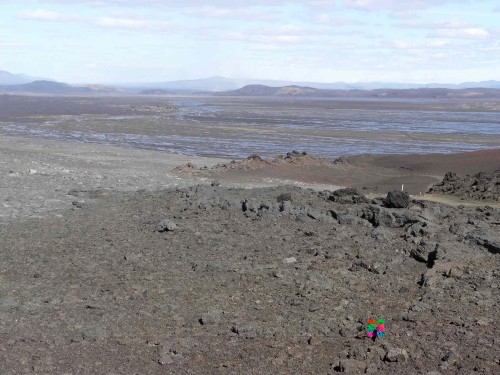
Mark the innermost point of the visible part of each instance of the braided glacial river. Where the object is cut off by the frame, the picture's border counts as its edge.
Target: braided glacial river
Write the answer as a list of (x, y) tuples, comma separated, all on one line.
[(238, 127)]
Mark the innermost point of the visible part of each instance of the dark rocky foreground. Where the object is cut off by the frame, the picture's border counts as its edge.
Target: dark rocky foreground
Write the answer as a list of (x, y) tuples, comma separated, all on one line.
[(209, 280), (480, 186)]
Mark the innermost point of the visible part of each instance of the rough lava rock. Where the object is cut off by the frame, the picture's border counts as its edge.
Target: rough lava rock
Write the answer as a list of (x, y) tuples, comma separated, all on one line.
[(252, 276), (481, 186), (348, 196), (397, 199)]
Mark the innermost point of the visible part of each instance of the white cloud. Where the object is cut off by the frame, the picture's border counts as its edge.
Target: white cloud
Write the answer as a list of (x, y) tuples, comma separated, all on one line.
[(395, 5), (404, 14), (266, 38), (112, 21), (231, 13), (450, 24), (11, 44), (439, 44), (136, 24), (360, 4), (317, 36), (121, 23), (327, 19), (41, 15), (449, 29), (265, 47), (461, 33), (300, 37)]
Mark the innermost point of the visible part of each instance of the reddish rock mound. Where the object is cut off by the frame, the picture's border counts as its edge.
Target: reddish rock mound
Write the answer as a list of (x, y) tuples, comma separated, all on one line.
[(481, 186), (253, 162)]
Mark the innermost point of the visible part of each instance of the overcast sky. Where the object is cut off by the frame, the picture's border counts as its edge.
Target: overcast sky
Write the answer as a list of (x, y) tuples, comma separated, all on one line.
[(417, 41)]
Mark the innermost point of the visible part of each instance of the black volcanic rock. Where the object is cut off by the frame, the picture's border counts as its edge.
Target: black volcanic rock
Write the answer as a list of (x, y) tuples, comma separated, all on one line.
[(397, 199), (481, 186), (348, 195)]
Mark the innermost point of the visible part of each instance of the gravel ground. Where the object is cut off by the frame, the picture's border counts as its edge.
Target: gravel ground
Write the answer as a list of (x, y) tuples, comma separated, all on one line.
[(210, 280), (36, 175)]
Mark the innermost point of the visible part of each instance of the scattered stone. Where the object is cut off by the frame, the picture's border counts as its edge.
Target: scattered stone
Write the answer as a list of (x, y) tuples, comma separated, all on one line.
[(450, 359), (247, 205), (420, 307), (483, 322), (211, 317), (278, 274), (378, 216), (348, 219), (246, 330), (348, 196), (396, 355), (285, 206), (314, 341), (486, 238), (8, 302), (241, 269), (166, 226), (284, 197), (425, 252), (380, 233), (397, 199), (78, 204), (165, 358), (420, 229), (350, 366), (481, 186)]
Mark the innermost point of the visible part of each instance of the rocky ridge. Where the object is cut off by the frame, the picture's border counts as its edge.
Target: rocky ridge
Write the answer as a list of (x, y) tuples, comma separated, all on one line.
[(253, 162), (480, 186)]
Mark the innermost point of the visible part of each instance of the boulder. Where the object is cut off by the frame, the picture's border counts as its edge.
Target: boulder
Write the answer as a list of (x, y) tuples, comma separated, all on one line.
[(377, 216), (425, 252), (348, 196), (397, 199), (487, 238)]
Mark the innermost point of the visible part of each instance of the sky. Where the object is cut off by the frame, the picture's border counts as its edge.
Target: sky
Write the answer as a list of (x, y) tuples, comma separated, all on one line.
[(122, 41)]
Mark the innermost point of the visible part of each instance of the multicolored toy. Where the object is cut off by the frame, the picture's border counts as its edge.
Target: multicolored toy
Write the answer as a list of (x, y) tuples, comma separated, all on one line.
[(376, 328)]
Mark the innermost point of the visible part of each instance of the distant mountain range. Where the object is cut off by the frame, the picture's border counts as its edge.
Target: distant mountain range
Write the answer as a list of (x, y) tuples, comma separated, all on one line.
[(7, 78), (50, 87), (300, 91), (226, 84), (58, 88), (22, 83)]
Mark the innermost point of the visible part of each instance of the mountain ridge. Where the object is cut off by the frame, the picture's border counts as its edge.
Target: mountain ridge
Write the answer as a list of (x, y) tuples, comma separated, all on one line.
[(300, 91), (218, 83), (7, 78), (52, 87), (10, 82)]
